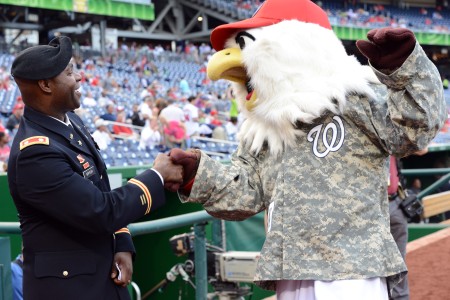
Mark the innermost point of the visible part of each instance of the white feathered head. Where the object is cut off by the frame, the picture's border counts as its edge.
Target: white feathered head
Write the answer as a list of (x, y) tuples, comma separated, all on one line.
[(287, 66)]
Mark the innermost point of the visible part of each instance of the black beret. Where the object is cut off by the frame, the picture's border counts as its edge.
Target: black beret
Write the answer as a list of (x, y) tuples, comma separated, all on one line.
[(43, 61)]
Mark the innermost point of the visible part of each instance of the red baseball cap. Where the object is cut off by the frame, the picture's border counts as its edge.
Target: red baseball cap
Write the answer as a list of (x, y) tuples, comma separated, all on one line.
[(269, 13)]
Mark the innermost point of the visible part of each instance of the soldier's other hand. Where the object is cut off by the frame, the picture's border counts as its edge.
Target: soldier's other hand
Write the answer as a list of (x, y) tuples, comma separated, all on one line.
[(387, 48), (170, 172), (189, 159), (122, 268)]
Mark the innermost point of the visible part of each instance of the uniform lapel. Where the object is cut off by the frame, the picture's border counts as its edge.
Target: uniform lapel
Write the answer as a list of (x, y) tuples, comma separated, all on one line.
[(88, 144), (58, 130)]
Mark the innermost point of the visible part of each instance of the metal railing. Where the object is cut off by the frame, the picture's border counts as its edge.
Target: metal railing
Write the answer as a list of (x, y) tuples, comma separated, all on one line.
[(198, 219)]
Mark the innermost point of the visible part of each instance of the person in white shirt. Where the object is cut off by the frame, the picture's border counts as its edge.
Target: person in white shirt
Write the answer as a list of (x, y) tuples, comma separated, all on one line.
[(191, 120), (172, 112), (145, 109), (150, 135), (88, 100), (232, 128), (101, 135)]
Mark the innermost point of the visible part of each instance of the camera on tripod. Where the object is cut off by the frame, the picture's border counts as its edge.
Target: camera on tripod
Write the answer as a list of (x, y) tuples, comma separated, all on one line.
[(225, 269)]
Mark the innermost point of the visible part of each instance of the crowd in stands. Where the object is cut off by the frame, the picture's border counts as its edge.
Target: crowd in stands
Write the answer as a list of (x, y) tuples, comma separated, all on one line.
[(138, 101), (355, 13)]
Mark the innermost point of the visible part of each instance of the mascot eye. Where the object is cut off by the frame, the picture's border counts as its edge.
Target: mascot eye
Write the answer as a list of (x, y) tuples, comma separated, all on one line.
[(244, 37)]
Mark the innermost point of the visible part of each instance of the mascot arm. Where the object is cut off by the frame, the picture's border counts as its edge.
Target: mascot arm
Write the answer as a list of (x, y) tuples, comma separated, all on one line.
[(230, 192), (387, 48), (410, 108)]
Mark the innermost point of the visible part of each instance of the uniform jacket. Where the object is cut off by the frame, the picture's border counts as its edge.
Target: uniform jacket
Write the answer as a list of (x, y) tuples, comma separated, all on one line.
[(326, 197), (72, 223)]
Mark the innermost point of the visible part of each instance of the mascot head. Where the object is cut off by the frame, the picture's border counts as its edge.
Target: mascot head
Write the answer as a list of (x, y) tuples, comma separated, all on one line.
[(286, 66)]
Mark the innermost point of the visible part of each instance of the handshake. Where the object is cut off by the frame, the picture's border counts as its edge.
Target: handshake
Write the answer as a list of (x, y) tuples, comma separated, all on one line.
[(178, 169)]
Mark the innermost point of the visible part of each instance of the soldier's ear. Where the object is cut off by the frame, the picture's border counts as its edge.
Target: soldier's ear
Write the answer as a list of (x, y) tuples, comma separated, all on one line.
[(44, 85)]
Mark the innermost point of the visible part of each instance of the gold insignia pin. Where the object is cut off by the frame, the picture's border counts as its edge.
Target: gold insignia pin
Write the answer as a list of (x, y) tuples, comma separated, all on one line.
[(71, 136), (80, 143)]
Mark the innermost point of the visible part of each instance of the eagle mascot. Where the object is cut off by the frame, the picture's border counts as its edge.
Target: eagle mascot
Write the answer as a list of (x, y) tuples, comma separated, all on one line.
[(314, 147)]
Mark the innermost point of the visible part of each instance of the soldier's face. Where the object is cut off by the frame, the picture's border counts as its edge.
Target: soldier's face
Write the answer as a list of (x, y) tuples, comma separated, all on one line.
[(66, 89)]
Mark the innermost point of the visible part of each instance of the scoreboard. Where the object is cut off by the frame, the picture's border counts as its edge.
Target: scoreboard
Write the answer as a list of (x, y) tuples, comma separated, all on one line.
[(139, 9)]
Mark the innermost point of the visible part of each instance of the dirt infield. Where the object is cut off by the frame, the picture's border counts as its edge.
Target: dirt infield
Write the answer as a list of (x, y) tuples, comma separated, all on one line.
[(428, 261)]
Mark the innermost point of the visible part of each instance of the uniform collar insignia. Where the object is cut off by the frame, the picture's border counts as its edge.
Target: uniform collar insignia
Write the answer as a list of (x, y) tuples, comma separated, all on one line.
[(81, 158)]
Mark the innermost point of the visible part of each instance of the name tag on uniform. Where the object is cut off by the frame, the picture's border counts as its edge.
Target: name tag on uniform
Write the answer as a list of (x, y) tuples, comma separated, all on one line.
[(89, 172)]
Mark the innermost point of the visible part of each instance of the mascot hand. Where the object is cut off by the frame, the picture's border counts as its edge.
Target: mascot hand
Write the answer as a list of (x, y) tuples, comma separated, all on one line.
[(189, 159), (387, 48)]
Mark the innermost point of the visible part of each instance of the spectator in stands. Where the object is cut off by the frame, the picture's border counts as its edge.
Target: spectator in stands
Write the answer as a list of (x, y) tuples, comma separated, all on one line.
[(160, 104), (232, 128), (14, 120), (172, 93), (126, 86), (88, 100), (107, 83), (2, 128), (174, 132), (219, 133), (398, 220), (214, 119), (4, 150), (102, 136), (150, 135), (145, 108), (191, 120), (123, 130), (398, 225), (445, 82), (172, 112), (5, 82), (17, 277), (416, 186), (184, 87), (136, 117), (110, 114), (234, 110), (104, 99), (75, 245)]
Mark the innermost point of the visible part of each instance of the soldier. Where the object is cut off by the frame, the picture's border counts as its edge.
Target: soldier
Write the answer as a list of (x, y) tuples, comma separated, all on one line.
[(75, 241), (314, 147)]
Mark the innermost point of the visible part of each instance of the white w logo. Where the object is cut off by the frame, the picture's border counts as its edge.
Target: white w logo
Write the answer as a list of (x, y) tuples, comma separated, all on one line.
[(332, 145)]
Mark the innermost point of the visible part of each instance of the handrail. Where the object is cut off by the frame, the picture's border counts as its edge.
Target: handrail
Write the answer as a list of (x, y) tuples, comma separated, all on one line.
[(430, 171), (138, 228), (206, 139), (153, 226), (434, 186), (426, 172), (9, 228)]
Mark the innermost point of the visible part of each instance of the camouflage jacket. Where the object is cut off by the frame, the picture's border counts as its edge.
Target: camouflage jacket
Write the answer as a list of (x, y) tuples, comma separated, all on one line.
[(327, 196)]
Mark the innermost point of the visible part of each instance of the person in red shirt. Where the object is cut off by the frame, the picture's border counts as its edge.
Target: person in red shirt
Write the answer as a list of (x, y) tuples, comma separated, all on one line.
[(121, 129), (4, 150)]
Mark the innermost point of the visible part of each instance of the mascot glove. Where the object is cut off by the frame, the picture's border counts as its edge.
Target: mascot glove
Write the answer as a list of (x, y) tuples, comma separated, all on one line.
[(387, 48), (190, 160)]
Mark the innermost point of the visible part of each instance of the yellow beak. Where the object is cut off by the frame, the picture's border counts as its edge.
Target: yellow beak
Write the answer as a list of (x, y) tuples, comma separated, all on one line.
[(227, 64)]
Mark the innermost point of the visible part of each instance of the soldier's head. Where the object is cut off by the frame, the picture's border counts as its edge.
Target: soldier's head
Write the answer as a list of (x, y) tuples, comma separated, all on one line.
[(47, 78)]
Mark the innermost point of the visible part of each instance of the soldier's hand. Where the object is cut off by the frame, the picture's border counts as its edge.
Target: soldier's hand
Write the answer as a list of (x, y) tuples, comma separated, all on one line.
[(189, 159), (170, 172), (387, 48), (122, 268)]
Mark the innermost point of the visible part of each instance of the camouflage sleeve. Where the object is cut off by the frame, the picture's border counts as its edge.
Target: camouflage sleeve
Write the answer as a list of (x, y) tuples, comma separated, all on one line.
[(409, 108), (228, 191)]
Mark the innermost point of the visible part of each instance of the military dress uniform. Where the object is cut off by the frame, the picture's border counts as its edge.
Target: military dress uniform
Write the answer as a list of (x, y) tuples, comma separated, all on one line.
[(326, 195), (72, 223)]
